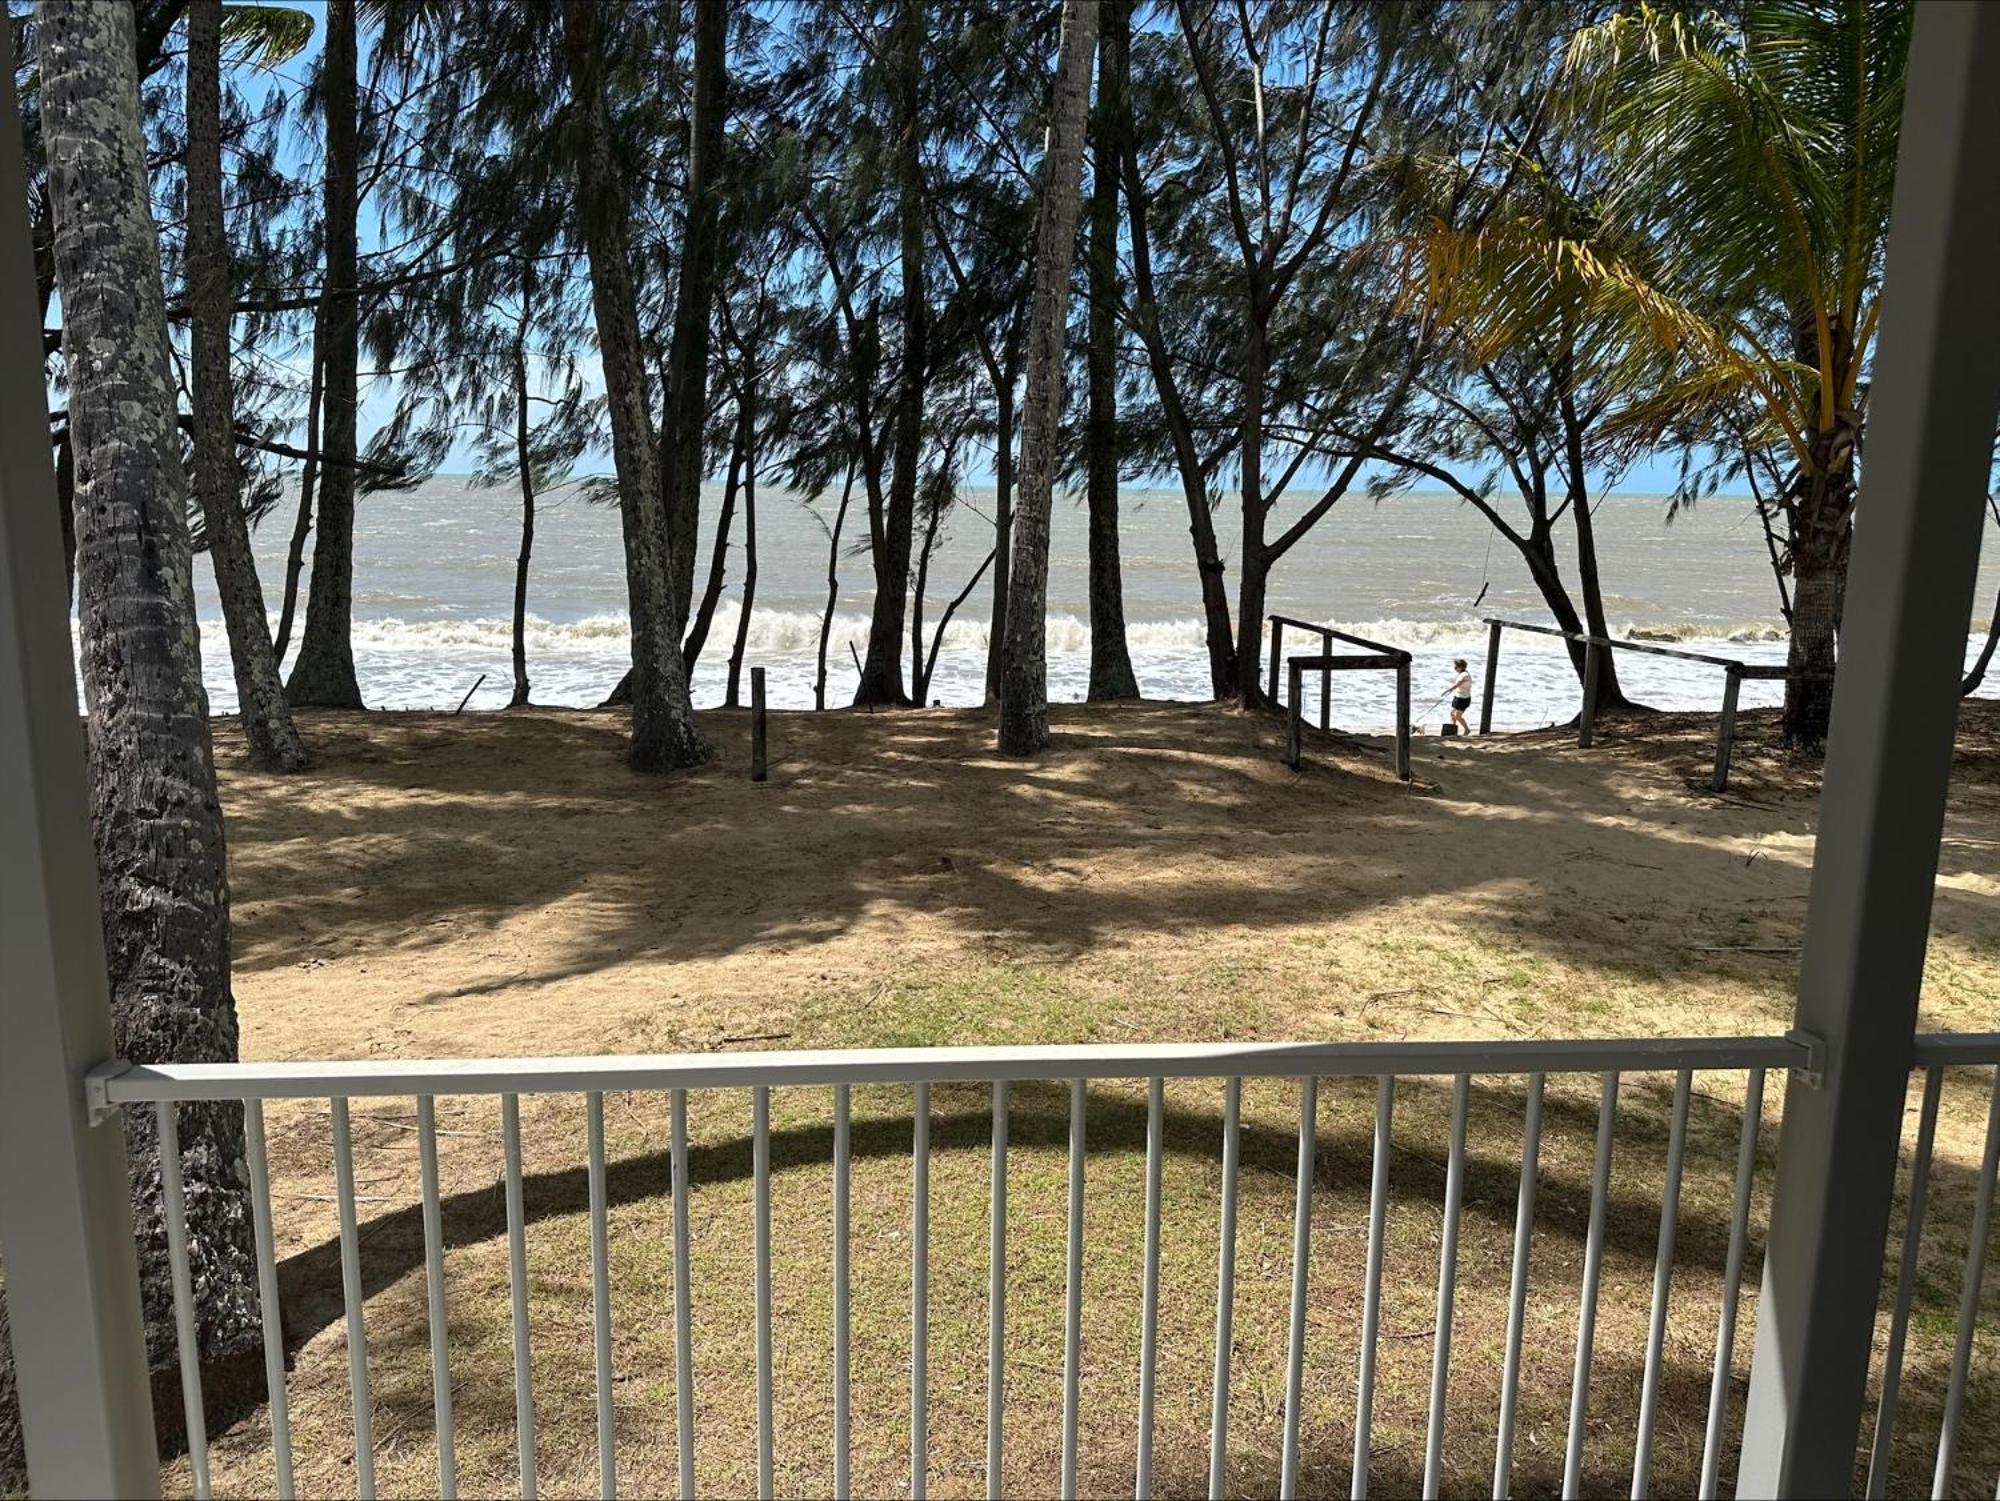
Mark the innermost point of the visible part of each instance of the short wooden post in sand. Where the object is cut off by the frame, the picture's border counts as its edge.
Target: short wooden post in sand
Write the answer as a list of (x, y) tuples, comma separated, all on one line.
[(1726, 732), (1586, 724), (1403, 719), (758, 768), (1293, 719), (1492, 676), (1277, 634)]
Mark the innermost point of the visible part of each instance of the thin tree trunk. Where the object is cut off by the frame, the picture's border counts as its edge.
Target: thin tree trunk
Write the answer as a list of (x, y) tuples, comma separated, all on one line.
[(749, 548), (718, 558), (1003, 530), (324, 671), (162, 871), (524, 457), (919, 685), (271, 738), (1977, 675), (832, 584), (882, 673), (1024, 698), (1610, 692), (665, 732), (681, 445), (1180, 430), (295, 557), (1111, 675), (1252, 587), (927, 669)]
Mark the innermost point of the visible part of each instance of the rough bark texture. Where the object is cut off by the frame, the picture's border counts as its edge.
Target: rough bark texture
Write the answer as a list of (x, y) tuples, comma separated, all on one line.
[(1111, 674), (665, 732), (882, 673), (1024, 698), (1822, 531), (687, 357), (1003, 529), (157, 827), (268, 733), (324, 672)]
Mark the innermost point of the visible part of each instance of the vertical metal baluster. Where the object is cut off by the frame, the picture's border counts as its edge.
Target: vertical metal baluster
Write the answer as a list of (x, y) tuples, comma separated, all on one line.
[(1593, 1269), (996, 1303), (683, 1291), (267, 1296), (1225, 1289), (1073, 1289), (1454, 1198), (920, 1294), (1295, 1357), (761, 1249), (1732, 1282), (841, 1152), (351, 1295), (600, 1296), (185, 1336), (1663, 1278), (427, 1163), (1968, 1304), (1517, 1291), (1371, 1296), (517, 1279), (1149, 1308), (1906, 1283)]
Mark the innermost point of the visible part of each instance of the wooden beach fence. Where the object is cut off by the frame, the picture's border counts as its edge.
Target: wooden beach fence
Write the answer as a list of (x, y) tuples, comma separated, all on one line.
[(1734, 672), (1374, 657), (758, 766)]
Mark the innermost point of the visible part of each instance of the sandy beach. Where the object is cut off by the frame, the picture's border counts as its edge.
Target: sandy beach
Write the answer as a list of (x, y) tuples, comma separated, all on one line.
[(500, 884)]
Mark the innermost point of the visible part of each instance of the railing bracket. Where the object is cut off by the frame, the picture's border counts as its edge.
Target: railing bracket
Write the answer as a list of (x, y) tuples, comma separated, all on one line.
[(96, 1092), (1812, 1072)]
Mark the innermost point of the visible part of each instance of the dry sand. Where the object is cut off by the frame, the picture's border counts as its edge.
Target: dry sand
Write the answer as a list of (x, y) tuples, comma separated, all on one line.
[(502, 884)]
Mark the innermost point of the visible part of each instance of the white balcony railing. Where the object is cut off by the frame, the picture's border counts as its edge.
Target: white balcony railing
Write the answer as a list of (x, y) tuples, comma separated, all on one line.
[(1162, 1066)]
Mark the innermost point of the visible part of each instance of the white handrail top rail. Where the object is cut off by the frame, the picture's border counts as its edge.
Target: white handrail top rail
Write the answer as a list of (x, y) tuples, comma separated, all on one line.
[(118, 1083)]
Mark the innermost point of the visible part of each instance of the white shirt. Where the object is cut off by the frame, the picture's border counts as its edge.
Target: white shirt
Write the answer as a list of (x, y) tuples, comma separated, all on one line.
[(1462, 686)]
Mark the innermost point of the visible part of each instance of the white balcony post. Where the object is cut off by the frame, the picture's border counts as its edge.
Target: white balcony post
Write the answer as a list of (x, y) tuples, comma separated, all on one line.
[(65, 1218), (1930, 439)]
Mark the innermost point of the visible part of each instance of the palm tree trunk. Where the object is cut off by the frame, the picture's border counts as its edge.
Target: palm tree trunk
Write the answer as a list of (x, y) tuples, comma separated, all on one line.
[(665, 732), (524, 463), (1823, 518), (1024, 695), (162, 872), (324, 671), (1111, 675), (681, 445), (882, 673), (295, 556), (272, 739)]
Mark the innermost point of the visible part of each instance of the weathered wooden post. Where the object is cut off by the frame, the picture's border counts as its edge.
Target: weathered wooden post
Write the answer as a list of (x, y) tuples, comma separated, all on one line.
[(1293, 719), (1726, 732), (757, 766), (1492, 675), (1403, 717), (1586, 723), (1326, 683), (1277, 631)]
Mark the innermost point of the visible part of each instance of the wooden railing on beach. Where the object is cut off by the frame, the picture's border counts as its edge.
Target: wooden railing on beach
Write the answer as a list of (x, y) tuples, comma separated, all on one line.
[(1374, 656)]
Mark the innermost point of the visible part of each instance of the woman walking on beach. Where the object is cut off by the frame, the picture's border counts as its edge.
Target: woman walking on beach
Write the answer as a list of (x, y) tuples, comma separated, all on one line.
[(1461, 695)]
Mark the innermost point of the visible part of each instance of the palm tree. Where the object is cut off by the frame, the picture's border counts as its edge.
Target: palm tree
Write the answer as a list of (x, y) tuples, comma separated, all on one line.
[(156, 822), (1737, 260), (268, 731), (1024, 694)]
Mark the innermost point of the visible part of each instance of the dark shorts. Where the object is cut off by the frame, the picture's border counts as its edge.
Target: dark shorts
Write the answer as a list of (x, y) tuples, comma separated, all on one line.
[(1461, 704)]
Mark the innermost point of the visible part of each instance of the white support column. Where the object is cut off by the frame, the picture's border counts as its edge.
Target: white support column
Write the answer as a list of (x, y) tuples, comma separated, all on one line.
[(65, 1217), (1930, 439)]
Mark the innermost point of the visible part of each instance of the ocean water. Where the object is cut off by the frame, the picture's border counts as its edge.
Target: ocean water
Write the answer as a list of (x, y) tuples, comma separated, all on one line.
[(434, 570)]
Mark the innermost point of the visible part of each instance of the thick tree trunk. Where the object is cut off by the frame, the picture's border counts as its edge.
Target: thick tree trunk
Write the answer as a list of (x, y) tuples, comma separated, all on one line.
[(736, 653), (1003, 533), (1822, 530), (1253, 586), (882, 673), (1024, 696), (162, 874), (1111, 675), (1180, 430), (295, 556), (324, 671), (1610, 693), (273, 741), (665, 732), (524, 455), (681, 445), (832, 585)]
